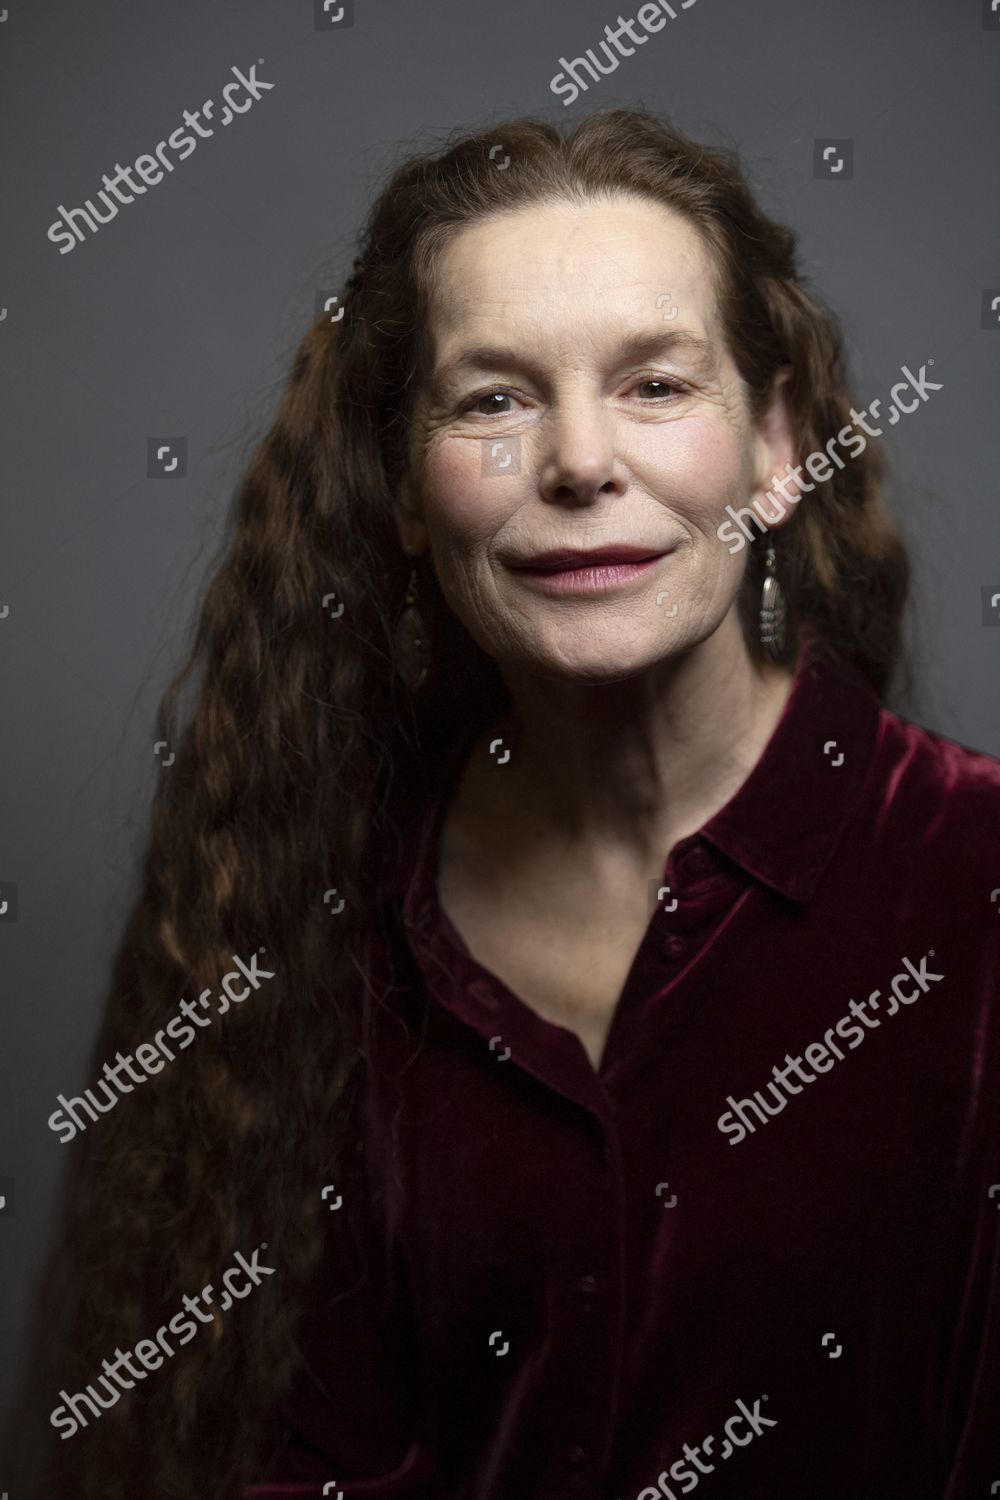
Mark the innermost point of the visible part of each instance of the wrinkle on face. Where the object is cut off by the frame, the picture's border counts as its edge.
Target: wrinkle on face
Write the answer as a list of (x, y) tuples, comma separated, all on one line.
[(561, 286)]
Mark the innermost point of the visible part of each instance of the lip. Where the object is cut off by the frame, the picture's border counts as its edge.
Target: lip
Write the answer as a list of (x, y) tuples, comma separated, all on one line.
[(574, 558), (591, 578)]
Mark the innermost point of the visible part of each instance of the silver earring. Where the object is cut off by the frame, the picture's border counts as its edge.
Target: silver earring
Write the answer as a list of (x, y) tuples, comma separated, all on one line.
[(411, 639), (772, 609)]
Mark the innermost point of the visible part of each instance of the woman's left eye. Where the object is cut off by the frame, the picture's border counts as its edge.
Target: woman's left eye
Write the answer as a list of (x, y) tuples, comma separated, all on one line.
[(667, 387)]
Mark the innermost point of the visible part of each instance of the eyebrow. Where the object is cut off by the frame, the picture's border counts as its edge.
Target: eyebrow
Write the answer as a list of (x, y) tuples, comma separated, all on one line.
[(638, 346)]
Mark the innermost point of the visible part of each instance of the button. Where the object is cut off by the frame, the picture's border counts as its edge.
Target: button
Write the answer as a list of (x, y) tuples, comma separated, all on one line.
[(699, 862), (587, 1285), (576, 1456), (674, 946)]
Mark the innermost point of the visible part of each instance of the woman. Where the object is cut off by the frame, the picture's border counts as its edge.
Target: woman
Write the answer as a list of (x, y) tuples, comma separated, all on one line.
[(571, 883)]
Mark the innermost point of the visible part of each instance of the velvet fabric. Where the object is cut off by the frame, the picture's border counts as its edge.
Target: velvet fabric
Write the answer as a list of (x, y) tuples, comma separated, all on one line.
[(757, 1249)]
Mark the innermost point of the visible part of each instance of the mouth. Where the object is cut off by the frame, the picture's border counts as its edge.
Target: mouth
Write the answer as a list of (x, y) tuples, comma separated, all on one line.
[(566, 559), (592, 573)]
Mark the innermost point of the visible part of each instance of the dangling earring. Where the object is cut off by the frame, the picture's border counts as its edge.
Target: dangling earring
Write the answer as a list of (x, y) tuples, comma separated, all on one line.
[(772, 609), (411, 640)]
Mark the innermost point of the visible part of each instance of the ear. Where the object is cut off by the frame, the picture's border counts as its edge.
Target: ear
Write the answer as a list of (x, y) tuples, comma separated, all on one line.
[(774, 449), (409, 519)]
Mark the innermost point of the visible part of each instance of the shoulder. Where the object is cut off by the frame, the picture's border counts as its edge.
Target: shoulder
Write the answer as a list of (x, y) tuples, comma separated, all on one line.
[(922, 762), (938, 798)]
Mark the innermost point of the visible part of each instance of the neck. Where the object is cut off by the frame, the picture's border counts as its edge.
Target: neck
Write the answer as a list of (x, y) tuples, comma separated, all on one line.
[(632, 766)]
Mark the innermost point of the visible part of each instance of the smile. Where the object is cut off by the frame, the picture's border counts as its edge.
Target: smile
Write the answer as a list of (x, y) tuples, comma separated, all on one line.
[(594, 578)]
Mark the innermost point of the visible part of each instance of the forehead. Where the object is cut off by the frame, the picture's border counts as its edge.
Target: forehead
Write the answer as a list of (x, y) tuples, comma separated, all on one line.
[(573, 267)]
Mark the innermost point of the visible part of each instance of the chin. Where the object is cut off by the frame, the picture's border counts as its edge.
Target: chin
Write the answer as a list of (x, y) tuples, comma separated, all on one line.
[(607, 663)]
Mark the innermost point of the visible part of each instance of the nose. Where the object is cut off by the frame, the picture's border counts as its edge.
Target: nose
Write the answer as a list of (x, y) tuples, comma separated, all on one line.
[(581, 461)]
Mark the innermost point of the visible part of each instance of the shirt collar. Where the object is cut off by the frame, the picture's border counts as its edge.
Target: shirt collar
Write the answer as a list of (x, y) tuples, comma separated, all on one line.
[(783, 824)]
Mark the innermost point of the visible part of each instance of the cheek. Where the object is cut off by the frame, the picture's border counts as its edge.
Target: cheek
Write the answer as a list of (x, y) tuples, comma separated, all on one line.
[(463, 505), (700, 465)]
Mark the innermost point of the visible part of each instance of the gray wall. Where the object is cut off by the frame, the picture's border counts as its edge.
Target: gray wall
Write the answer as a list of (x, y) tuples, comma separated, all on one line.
[(177, 319)]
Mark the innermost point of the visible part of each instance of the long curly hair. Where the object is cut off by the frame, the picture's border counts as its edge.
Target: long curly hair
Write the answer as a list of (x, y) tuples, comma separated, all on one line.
[(299, 749)]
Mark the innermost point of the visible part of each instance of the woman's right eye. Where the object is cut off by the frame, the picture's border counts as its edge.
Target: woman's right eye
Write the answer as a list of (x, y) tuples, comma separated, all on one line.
[(491, 395)]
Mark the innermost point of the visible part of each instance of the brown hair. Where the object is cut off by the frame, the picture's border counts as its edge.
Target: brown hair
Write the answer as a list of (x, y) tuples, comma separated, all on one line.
[(289, 767)]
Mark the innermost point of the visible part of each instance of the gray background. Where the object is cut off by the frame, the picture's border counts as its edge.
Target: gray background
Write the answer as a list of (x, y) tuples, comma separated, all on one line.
[(179, 317)]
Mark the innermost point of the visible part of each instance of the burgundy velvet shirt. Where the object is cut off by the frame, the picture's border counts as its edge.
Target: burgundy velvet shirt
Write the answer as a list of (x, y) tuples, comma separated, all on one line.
[(756, 1251)]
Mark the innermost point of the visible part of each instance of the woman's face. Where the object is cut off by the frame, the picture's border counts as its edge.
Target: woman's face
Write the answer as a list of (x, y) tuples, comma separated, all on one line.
[(578, 395)]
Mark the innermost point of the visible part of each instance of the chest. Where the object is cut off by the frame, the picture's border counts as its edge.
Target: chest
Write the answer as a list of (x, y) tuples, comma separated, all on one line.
[(563, 945)]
